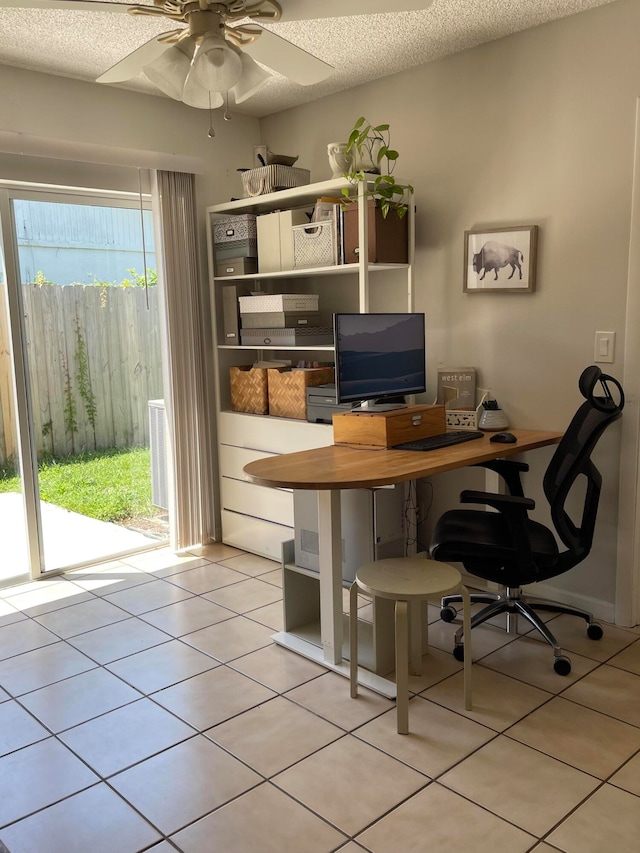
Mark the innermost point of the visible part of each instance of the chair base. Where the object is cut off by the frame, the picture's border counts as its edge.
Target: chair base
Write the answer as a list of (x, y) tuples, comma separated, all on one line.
[(514, 603)]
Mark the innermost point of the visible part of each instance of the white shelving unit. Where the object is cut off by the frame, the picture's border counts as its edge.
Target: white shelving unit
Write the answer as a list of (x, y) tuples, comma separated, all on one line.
[(254, 518)]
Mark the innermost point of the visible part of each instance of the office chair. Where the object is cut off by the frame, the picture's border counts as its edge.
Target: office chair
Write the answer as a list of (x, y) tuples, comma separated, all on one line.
[(510, 549)]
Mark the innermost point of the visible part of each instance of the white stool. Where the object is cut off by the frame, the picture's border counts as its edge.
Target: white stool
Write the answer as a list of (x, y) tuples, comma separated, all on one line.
[(408, 581)]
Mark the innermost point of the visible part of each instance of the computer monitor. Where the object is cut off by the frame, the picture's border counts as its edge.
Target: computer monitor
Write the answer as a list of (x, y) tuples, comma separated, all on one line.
[(379, 357)]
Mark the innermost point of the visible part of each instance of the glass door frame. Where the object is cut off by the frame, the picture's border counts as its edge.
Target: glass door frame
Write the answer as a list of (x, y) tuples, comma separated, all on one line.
[(28, 463)]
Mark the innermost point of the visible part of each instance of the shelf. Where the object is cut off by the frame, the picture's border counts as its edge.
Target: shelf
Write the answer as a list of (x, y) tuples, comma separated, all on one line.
[(296, 197), (342, 287), (316, 348), (336, 269)]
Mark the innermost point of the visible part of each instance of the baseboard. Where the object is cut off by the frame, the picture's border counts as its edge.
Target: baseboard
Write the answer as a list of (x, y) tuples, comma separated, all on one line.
[(604, 610)]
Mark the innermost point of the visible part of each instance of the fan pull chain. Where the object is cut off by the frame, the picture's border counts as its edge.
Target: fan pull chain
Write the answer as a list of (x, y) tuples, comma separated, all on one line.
[(211, 132), (227, 114)]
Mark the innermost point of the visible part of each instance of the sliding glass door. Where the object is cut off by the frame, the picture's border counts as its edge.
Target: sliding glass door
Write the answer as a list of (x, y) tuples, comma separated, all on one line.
[(83, 365)]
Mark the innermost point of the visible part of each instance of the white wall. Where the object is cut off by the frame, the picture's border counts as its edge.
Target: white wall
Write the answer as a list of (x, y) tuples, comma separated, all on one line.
[(537, 128), (75, 115)]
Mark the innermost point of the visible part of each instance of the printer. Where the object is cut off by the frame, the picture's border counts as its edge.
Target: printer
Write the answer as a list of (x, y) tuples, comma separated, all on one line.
[(321, 404)]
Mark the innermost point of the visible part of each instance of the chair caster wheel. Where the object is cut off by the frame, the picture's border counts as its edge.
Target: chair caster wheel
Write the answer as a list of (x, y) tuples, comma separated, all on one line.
[(448, 613), (562, 665), (458, 653), (594, 631)]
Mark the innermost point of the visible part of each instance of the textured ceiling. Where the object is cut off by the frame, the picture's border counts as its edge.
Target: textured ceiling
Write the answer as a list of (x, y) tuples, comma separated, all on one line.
[(83, 44)]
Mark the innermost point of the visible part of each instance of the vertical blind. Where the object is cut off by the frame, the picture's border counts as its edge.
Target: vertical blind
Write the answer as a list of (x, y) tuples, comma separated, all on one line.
[(188, 416)]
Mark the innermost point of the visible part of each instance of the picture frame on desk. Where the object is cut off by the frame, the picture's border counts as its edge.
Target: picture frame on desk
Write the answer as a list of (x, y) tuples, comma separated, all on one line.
[(500, 260)]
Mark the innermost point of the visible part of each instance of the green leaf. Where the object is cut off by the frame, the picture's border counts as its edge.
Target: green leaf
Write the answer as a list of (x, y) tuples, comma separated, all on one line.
[(384, 207), (391, 154), (359, 123), (352, 138), (381, 127), (401, 211)]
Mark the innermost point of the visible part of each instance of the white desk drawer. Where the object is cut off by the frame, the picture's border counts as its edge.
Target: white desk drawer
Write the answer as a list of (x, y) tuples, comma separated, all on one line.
[(273, 435), (259, 501), (233, 459), (254, 535)]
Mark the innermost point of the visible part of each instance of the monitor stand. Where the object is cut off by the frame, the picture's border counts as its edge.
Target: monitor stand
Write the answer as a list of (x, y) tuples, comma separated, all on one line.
[(372, 406)]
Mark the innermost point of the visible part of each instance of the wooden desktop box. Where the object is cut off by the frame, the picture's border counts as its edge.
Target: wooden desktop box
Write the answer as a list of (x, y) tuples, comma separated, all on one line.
[(377, 430)]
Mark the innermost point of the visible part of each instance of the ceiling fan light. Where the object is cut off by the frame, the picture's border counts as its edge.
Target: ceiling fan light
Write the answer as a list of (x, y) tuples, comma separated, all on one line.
[(170, 70), (195, 95), (252, 80), (216, 64)]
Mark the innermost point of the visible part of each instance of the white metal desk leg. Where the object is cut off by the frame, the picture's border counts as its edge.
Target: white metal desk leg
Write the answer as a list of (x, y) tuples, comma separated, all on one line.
[(330, 548), (353, 639), (402, 667), (466, 627)]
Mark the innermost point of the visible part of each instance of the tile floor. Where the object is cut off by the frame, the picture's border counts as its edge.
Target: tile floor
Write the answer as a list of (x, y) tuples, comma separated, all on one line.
[(143, 706)]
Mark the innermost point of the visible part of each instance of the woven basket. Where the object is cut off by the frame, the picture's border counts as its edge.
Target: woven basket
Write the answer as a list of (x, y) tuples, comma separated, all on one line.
[(269, 179), (288, 390), (249, 390)]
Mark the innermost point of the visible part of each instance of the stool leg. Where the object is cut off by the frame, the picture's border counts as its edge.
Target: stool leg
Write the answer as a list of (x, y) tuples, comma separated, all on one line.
[(415, 626), (402, 668), (466, 624), (353, 639)]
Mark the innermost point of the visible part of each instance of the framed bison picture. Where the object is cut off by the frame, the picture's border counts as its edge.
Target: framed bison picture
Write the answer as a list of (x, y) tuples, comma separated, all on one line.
[(500, 260)]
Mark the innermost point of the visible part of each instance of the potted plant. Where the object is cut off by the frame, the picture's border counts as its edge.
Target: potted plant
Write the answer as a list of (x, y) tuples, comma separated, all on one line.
[(370, 150)]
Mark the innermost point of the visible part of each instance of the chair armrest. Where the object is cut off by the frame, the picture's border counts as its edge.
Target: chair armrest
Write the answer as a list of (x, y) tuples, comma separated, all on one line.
[(509, 470), (504, 503), (513, 510)]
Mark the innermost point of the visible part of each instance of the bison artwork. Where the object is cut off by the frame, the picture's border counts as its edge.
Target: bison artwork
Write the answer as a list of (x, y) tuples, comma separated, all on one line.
[(494, 256)]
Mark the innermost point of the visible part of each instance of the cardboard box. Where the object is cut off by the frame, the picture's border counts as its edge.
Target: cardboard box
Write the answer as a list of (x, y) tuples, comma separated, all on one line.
[(275, 239), (302, 302), (231, 312), (231, 229), (288, 390), (388, 236), (377, 430), (296, 336), (281, 319), (236, 266)]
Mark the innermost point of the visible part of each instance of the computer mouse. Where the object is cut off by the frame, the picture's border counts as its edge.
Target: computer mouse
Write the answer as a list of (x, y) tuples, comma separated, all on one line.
[(503, 438)]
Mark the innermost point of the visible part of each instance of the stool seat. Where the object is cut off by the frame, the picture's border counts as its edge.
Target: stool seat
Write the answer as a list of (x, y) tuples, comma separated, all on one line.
[(408, 581), (407, 578)]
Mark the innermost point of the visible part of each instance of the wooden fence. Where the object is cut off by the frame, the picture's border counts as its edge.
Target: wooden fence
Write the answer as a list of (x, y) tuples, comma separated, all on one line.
[(93, 363)]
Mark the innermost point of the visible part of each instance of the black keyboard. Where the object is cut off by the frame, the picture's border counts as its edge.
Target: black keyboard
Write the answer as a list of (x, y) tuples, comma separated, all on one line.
[(446, 439)]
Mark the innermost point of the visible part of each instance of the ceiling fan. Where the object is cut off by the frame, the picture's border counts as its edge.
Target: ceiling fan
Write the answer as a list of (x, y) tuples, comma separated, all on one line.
[(223, 47)]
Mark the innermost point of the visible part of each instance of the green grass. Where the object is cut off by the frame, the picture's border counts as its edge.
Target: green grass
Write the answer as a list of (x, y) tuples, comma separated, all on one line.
[(110, 485)]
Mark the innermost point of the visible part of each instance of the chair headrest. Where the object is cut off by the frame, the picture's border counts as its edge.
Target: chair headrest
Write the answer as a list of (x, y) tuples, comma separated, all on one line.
[(589, 378)]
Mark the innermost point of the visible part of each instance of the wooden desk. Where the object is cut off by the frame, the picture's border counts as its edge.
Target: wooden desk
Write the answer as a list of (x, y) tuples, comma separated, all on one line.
[(330, 469)]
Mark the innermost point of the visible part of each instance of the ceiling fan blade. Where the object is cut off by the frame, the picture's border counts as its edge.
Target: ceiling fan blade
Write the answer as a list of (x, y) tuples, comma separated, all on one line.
[(288, 59), (66, 5), (133, 64), (302, 10)]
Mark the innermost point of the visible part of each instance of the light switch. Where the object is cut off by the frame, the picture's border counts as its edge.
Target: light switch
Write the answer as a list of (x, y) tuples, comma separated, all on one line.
[(604, 349)]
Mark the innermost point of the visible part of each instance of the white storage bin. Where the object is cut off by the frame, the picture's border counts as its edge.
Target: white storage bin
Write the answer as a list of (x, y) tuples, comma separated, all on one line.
[(314, 245), (275, 239), (279, 302)]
